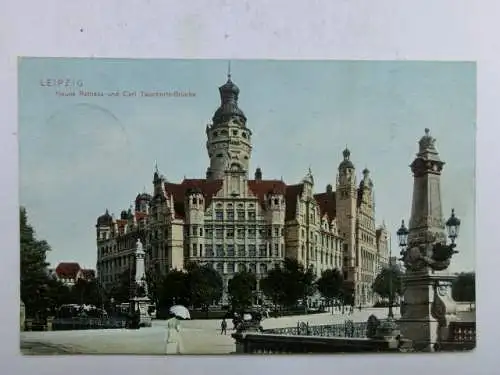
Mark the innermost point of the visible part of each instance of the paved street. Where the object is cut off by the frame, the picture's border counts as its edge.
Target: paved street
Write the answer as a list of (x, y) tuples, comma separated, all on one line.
[(199, 336)]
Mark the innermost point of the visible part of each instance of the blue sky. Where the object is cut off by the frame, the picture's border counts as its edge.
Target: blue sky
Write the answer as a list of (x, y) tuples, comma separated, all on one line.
[(80, 155)]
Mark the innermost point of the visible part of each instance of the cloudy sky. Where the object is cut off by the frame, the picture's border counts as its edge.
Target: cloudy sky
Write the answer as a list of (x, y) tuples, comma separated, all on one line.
[(80, 155)]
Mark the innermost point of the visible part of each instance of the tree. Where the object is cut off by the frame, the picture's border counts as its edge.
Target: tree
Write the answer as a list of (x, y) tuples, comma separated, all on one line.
[(33, 267), (121, 291), (205, 285), (273, 286), (330, 284), (154, 281), (464, 287), (299, 281), (388, 283), (86, 292), (288, 284), (173, 289), (241, 288)]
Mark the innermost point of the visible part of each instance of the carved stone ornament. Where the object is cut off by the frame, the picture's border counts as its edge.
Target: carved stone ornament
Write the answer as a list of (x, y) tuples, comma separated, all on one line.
[(443, 307), (413, 259)]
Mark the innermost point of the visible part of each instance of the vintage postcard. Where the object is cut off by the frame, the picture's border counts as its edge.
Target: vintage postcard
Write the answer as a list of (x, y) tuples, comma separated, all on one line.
[(246, 206)]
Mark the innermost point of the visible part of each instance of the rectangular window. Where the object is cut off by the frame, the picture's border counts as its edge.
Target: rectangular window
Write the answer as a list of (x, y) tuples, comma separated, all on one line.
[(219, 215), (230, 267), (230, 215), (209, 232), (209, 251), (276, 250), (241, 250), (241, 234), (230, 250), (262, 250), (230, 233), (201, 249), (251, 215), (252, 251), (219, 233), (195, 248), (201, 232), (240, 215), (251, 233), (276, 232), (219, 250)]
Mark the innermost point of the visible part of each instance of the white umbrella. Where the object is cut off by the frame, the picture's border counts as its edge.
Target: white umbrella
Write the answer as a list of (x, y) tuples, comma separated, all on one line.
[(247, 317), (180, 311)]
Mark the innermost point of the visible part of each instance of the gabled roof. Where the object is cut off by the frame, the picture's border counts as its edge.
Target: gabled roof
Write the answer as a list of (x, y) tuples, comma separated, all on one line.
[(260, 188), (67, 270), (327, 204), (292, 192), (178, 191), (140, 215), (87, 274)]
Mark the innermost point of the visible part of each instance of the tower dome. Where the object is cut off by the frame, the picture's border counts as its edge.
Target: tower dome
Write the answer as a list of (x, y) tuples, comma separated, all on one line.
[(346, 163), (105, 220), (228, 109)]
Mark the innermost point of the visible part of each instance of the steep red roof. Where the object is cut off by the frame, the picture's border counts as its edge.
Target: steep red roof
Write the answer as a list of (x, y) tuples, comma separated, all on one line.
[(178, 191), (67, 270), (87, 274), (327, 204), (292, 192), (260, 188), (140, 215), (121, 222)]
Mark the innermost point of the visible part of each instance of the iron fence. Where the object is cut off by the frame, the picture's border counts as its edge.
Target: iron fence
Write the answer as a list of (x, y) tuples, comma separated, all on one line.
[(65, 324)]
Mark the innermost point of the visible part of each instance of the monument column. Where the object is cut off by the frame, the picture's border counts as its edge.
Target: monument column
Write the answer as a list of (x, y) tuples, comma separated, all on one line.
[(428, 305), (141, 300)]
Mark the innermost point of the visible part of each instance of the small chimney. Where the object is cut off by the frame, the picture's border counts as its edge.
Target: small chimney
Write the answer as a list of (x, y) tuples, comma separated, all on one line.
[(258, 174), (329, 189)]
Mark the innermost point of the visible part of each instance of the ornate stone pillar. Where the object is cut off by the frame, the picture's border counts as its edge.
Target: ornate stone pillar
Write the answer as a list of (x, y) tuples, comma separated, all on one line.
[(427, 285), (141, 300)]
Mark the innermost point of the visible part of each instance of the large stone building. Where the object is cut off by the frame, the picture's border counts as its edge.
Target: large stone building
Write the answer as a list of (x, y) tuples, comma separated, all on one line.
[(235, 223)]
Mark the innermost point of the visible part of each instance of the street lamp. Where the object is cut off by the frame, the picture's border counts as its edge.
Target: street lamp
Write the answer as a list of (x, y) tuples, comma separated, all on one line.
[(453, 227), (402, 234), (441, 252)]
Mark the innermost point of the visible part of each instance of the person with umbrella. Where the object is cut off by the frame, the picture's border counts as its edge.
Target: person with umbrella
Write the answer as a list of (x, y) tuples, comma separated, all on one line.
[(173, 340)]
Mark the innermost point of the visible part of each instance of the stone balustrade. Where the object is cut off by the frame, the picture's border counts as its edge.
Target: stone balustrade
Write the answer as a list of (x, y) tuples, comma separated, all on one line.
[(346, 329), (266, 343), (461, 336)]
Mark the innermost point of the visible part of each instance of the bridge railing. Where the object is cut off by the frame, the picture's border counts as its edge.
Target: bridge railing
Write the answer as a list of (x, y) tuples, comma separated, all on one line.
[(266, 343), (461, 336), (346, 329)]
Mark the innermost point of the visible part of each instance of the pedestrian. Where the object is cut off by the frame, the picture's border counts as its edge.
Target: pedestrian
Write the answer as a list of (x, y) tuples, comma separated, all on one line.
[(173, 340), (223, 327)]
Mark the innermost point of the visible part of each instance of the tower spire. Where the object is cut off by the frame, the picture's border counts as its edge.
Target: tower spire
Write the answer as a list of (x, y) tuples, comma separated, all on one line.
[(229, 70)]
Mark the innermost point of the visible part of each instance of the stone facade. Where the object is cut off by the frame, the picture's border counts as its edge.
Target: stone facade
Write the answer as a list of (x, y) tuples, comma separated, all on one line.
[(236, 223)]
